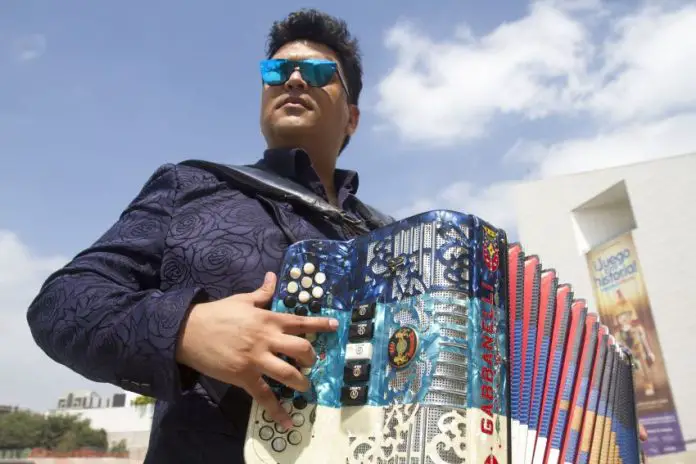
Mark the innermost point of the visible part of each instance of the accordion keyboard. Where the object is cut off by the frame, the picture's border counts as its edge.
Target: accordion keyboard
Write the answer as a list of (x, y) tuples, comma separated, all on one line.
[(416, 373)]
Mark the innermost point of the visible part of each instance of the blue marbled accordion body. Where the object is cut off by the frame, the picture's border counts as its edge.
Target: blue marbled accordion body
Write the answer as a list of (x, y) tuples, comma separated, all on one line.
[(423, 320)]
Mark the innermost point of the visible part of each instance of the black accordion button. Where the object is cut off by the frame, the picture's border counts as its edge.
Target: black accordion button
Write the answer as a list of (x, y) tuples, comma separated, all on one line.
[(363, 312), (360, 331), (354, 395), (356, 372), (299, 402), (290, 301), (315, 306), (301, 311)]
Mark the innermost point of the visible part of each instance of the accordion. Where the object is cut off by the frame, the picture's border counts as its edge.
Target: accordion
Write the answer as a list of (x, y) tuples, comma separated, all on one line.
[(453, 346)]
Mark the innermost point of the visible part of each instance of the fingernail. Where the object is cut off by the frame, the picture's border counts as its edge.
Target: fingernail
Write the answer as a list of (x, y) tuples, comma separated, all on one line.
[(333, 323), (287, 424)]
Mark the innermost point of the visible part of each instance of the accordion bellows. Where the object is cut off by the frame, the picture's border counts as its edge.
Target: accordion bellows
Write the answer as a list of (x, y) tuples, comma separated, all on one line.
[(453, 347)]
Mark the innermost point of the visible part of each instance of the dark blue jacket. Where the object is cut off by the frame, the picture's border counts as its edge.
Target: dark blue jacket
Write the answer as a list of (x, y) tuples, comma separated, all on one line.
[(114, 312)]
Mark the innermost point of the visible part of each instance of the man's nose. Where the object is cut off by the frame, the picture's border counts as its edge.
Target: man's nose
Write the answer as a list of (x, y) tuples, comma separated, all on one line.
[(295, 81)]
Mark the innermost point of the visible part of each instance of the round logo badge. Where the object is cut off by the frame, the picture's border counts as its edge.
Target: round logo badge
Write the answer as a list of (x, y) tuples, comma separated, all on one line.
[(402, 347)]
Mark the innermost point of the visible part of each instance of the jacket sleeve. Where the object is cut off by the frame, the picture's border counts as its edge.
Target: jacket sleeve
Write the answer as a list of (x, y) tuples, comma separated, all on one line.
[(103, 315)]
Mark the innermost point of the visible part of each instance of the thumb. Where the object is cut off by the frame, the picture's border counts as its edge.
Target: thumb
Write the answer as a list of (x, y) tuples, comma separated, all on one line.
[(262, 295)]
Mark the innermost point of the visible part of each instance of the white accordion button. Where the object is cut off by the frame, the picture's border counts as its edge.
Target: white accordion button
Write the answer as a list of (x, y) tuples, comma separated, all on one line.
[(308, 268), (295, 273), (358, 351), (304, 296), (320, 278), (306, 282), (311, 337), (293, 287), (317, 292)]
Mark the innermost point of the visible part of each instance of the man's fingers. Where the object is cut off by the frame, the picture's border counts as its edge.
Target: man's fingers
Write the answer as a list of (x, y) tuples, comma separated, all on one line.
[(283, 372), (298, 348), (264, 396), (296, 325), (642, 433)]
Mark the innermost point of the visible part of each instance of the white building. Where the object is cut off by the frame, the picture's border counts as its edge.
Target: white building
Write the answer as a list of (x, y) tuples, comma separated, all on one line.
[(562, 219), (118, 415)]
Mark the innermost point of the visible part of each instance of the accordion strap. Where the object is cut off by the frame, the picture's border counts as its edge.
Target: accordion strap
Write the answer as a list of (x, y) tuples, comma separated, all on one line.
[(260, 181)]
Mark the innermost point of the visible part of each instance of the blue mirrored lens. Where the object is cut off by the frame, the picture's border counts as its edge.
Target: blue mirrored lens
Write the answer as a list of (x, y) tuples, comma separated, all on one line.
[(316, 73)]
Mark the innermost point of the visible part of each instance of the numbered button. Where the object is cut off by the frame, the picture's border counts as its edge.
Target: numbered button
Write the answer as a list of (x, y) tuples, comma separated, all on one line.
[(356, 372), (363, 312), (354, 395), (360, 331)]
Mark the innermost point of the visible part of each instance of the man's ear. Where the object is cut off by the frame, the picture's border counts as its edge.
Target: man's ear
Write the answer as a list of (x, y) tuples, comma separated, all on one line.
[(353, 119)]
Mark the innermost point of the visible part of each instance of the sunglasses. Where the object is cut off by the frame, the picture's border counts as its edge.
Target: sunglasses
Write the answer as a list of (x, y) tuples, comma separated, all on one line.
[(315, 72)]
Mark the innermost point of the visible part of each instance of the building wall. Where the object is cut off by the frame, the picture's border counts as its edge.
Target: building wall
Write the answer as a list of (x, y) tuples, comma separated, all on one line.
[(132, 423), (661, 215)]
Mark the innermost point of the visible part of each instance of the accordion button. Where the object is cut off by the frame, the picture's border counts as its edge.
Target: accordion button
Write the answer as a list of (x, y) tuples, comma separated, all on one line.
[(357, 372), (360, 331), (298, 419), (358, 351), (306, 282), (266, 417), (363, 312), (311, 337), (317, 292), (293, 287), (294, 437), (301, 311), (265, 433), (278, 444), (354, 395), (315, 307), (320, 278), (295, 273), (280, 429), (300, 403), (290, 301), (308, 268), (304, 296)]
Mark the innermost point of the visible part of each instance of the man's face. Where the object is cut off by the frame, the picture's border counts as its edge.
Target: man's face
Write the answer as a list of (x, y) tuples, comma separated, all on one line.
[(295, 112)]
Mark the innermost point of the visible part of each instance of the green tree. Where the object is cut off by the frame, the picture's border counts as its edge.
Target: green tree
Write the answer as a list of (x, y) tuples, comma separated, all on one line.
[(61, 432), (119, 447)]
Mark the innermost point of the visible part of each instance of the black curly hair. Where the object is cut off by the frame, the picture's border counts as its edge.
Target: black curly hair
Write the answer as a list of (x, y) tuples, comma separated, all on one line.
[(319, 27)]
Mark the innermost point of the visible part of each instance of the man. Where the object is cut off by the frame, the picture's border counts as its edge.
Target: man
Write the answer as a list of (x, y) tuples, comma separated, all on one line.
[(176, 289)]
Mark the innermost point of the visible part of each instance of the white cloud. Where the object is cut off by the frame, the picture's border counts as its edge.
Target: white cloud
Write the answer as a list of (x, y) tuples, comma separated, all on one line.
[(29, 377), (627, 144), (632, 77), (455, 87), (553, 61), (465, 196)]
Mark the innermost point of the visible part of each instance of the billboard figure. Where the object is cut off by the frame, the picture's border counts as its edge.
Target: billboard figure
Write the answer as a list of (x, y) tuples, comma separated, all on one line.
[(631, 333)]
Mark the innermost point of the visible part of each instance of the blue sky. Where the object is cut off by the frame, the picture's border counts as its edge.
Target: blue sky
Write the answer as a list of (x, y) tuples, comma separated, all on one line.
[(461, 100), (120, 88)]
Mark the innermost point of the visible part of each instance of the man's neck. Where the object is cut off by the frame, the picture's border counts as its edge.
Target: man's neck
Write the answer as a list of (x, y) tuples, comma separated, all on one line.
[(326, 176)]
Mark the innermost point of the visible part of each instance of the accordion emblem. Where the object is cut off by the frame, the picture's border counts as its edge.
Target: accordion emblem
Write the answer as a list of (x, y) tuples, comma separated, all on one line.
[(452, 347)]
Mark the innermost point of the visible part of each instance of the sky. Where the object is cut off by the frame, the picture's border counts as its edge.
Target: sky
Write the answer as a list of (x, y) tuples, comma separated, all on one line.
[(461, 101)]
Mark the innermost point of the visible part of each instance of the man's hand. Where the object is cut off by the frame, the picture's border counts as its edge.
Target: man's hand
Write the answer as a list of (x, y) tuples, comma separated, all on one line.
[(642, 433), (236, 341)]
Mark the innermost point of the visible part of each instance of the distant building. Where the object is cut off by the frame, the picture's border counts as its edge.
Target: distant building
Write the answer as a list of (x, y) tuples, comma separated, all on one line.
[(6, 409), (119, 415), (623, 238)]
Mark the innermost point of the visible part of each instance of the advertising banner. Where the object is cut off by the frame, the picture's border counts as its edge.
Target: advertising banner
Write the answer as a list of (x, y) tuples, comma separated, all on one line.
[(623, 305)]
